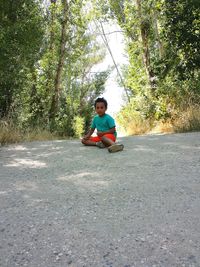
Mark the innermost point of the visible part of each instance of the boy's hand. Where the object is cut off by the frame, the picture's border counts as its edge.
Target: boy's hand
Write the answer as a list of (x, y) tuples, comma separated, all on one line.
[(86, 137), (100, 133)]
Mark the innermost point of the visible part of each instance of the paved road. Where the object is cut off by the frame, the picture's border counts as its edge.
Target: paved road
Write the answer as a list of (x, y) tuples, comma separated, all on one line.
[(63, 204)]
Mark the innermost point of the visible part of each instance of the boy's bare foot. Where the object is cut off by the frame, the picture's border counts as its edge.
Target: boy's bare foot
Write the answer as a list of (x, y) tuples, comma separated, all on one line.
[(100, 144), (115, 148)]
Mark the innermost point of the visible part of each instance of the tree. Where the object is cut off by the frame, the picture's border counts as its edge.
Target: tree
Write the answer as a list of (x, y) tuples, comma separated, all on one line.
[(21, 26), (62, 53), (64, 85), (162, 39), (181, 29)]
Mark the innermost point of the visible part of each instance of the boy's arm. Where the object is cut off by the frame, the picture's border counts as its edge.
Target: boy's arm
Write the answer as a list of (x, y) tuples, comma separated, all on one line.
[(87, 136), (111, 130)]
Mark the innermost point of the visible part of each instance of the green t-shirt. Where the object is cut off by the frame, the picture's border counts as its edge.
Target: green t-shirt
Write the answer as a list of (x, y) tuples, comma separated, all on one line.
[(104, 123)]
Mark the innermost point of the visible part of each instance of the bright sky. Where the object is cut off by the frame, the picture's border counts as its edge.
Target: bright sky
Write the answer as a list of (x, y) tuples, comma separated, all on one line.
[(114, 94)]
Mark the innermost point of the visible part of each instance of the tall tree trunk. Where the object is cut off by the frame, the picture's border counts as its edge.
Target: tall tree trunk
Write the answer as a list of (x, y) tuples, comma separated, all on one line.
[(52, 34), (57, 82), (49, 85), (160, 45), (145, 43), (6, 101)]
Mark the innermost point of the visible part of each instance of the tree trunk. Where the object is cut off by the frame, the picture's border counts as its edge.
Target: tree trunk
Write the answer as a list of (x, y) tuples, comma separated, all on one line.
[(57, 82), (49, 85), (160, 45), (144, 28), (6, 100)]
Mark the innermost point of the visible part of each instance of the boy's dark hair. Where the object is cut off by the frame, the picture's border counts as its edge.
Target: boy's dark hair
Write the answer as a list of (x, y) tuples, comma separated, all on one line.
[(101, 99)]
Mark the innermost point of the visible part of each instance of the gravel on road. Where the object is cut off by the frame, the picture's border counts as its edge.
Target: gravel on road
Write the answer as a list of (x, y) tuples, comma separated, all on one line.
[(64, 204)]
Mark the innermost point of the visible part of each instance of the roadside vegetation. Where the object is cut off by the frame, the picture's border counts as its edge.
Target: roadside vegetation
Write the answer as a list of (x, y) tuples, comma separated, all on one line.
[(48, 50), (163, 74), (11, 134), (185, 121)]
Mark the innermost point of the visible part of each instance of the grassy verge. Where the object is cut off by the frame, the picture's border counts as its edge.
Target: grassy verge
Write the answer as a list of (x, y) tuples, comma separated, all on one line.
[(187, 121), (11, 134), (184, 121)]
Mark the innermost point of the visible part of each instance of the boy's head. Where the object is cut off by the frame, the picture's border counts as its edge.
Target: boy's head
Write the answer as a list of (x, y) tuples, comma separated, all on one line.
[(100, 106)]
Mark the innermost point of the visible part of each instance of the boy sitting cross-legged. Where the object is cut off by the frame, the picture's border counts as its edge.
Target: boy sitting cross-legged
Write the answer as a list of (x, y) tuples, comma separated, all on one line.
[(106, 130)]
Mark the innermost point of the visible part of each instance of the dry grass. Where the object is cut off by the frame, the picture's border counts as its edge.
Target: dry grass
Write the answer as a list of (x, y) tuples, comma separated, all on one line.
[(39, 135), (185, 121), (163, 127), (138, 126), (188, 120), (182, 121), (10, 134)]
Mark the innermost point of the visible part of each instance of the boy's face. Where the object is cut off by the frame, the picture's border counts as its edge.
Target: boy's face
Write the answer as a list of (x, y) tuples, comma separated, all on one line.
[(100, 108)]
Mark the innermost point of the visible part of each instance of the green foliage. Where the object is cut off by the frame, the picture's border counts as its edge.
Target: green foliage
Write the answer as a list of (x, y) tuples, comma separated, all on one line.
[(78, 87), (181, 28), (132, 120), (78, 126), (164, 34), (21, 27), (30, 50), (162, 77)]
